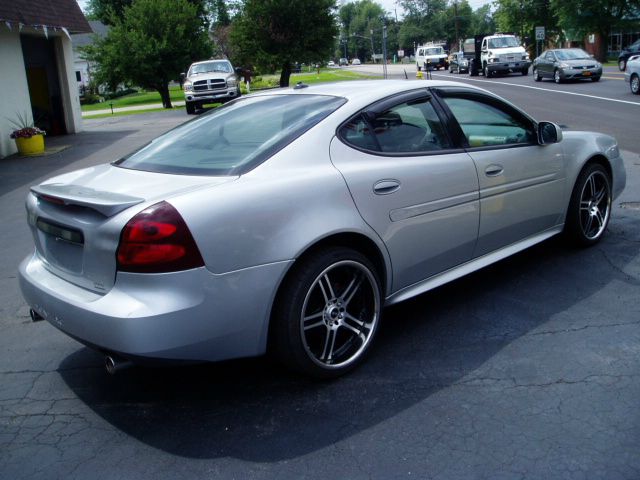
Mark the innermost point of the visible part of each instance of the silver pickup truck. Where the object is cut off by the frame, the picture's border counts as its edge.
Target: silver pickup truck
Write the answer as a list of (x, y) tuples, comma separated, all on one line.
[(210, 81)]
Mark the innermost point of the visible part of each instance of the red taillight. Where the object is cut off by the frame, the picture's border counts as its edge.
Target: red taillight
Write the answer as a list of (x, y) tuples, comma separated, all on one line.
[(157, 240)]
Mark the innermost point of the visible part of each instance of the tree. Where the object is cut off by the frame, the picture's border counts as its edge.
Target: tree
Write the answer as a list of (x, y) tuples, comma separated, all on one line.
[(110, 12), (583, 17), (276, 33), (361, 25), (423, 21), (153, 42), (482, 21), (523, 16)]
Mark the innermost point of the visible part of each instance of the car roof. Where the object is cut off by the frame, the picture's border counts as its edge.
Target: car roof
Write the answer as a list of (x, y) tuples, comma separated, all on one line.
[(367, 90)]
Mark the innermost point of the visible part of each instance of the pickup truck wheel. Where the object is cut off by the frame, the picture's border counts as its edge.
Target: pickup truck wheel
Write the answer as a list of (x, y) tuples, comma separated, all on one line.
[(525, 71), (191, 108), (487, 72)]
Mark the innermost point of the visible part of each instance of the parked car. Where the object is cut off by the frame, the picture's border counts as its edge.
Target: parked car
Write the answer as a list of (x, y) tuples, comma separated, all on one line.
[(209, 81), (287, 219), (458, 63), (355, 61), (563, 64), (632, 74), (343, 62), (631, 50), (331, 63)]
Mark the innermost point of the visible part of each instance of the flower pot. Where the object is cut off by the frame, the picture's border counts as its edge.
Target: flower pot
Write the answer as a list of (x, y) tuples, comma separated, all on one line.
[(30, 146)]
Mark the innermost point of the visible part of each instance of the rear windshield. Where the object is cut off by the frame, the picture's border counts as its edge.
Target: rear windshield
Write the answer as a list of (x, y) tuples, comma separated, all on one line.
[(233, 139)]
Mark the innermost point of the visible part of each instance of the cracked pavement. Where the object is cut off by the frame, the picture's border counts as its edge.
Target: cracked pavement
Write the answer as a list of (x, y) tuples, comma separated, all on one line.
[(529, 368)]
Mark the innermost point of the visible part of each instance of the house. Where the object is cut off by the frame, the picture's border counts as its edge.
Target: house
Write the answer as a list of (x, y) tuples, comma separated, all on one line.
[(81, 66), (37, 77)]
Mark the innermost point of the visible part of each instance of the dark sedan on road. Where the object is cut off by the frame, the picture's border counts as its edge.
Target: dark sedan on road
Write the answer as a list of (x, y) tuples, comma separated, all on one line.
[(458, 63), (566, 64), (626, 53)]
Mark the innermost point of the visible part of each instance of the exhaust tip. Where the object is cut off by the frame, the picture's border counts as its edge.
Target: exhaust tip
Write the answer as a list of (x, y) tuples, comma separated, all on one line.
[(114, 364)]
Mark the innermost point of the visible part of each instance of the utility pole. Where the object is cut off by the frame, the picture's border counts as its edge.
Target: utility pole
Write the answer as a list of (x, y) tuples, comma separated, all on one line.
[(384, 47), (455, 12)]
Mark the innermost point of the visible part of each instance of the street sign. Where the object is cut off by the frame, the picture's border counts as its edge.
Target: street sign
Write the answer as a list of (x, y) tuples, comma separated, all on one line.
[(539, 33)]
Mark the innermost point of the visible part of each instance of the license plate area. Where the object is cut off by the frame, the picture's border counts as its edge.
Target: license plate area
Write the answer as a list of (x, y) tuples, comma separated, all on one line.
[(586, 74), (62, 246)]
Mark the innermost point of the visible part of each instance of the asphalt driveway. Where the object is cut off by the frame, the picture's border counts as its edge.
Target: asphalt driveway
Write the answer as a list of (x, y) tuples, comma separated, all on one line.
[(527, 369)]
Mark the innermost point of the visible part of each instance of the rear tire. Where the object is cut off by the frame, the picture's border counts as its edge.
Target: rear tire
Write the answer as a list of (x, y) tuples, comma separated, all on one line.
[(622, 64), (590, 206), (536, 75), (525, 72), (327, 313)]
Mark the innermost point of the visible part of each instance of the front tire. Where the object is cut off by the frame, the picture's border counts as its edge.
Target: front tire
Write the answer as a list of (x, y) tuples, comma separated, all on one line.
[(327, 313), (556, 76), (487, 72), (525, 72), (635, 84), (590, 206), (191, 108), (536, 75)]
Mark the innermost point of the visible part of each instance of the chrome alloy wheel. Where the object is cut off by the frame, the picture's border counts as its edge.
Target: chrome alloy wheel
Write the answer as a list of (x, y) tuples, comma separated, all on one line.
[(595, 205), (340, 314), (635, 85)]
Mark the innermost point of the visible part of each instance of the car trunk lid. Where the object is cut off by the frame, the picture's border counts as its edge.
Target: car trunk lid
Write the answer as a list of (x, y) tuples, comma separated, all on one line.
[(76, 219)]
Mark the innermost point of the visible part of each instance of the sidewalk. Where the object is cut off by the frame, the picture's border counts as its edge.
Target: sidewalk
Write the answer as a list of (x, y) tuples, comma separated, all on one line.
[(150, 106)]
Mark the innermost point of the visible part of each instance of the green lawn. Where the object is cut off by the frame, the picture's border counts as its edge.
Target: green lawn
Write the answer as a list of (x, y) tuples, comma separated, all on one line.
[(135, 99), (263, 81)]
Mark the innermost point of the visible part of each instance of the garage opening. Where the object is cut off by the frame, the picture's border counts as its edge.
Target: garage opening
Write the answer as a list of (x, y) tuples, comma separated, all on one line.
[(44, 83)]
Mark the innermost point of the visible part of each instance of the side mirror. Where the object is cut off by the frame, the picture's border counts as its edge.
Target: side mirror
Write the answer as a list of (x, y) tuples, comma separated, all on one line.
[(549, 133)]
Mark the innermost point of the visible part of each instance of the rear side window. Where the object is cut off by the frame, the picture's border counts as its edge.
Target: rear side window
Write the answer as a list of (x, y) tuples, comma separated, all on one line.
[(233, 139), (410, 128)]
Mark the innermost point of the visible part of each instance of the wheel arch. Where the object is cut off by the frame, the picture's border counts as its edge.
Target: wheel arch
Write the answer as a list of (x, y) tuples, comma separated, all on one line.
[(597, 158), (354, 240)]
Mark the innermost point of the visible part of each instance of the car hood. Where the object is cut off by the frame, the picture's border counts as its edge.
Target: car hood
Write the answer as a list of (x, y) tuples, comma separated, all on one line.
[(580, 62)]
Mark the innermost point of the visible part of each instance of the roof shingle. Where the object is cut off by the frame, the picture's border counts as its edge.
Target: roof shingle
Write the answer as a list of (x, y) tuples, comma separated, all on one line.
[(50, 13)]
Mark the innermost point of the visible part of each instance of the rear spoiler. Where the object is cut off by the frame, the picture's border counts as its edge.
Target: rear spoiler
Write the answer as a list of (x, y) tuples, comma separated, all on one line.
[(106, 203)]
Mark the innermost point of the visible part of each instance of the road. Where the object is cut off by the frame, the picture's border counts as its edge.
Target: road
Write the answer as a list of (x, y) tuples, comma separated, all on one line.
[(606, 106), (529, 368)]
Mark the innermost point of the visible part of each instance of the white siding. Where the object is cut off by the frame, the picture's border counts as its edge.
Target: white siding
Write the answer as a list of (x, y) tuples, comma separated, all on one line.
[(14, 92)]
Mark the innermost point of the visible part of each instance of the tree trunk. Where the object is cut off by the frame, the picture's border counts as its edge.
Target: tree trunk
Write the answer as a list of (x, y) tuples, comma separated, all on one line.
[(163, 89), (285, 74), (603, 45)]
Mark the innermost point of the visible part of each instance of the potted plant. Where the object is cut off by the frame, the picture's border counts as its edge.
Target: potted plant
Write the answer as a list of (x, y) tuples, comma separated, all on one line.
[(29, 138)]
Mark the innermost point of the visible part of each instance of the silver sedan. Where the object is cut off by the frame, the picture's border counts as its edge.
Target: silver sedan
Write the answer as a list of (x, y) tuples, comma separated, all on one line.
[(285, 221)]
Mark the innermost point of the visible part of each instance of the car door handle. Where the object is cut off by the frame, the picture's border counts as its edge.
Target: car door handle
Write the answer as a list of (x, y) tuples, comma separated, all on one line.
[(385, 187), (493, 170)]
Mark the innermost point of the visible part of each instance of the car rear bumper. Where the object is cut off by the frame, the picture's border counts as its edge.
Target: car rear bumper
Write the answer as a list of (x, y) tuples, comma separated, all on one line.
[(192, 315)]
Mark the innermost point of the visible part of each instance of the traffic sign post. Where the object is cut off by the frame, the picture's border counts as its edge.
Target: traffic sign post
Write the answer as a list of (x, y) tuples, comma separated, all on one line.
[(539, 37)]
